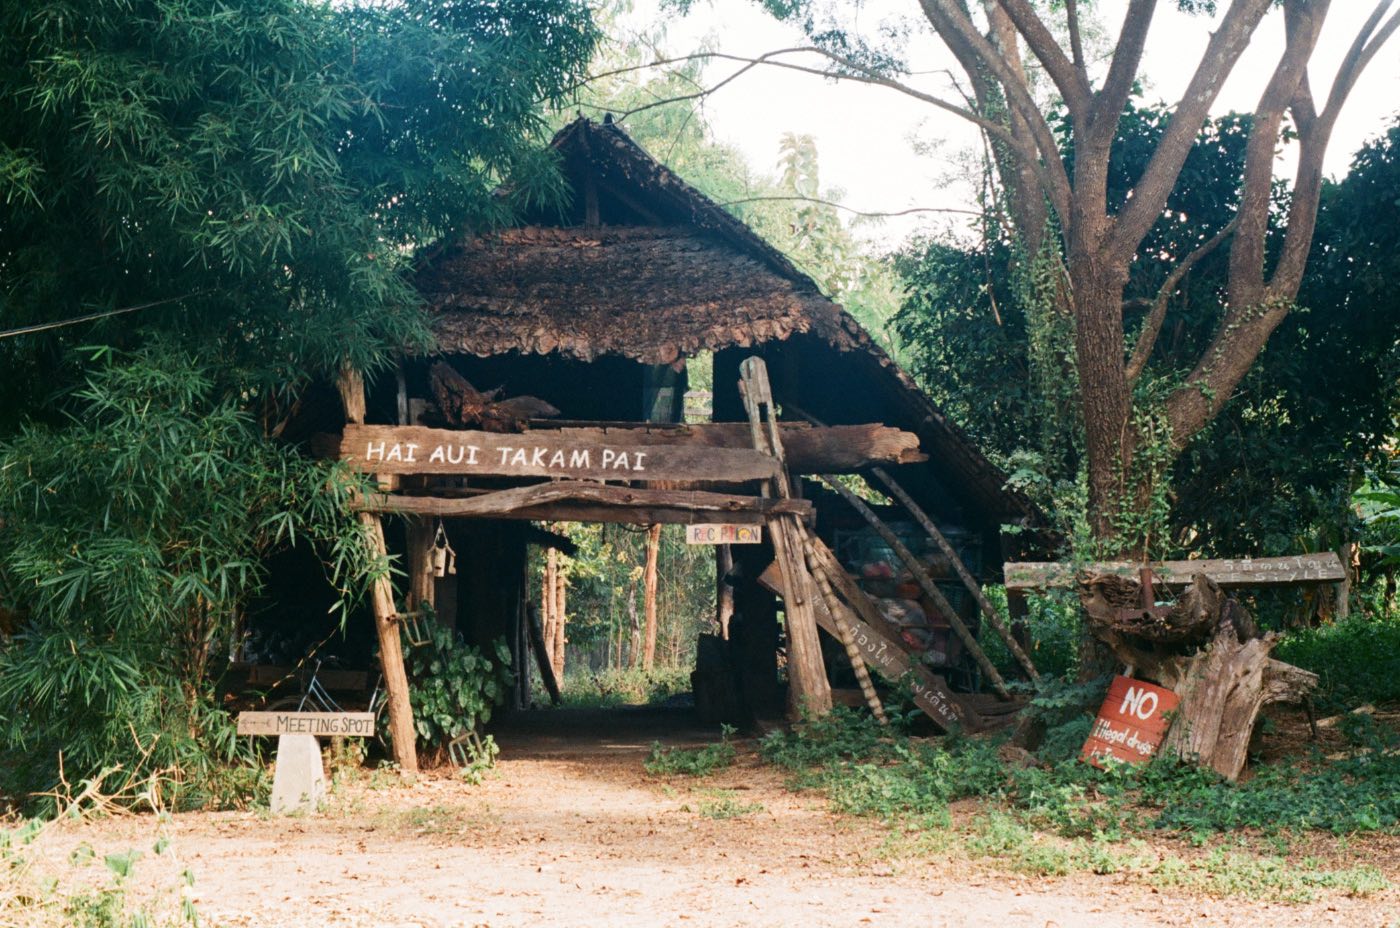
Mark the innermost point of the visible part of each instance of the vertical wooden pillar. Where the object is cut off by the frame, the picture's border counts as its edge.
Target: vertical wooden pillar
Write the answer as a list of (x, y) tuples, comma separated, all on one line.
[(561, 620), (649, 595), (809, 690), (386, 619), (724, 593), (422, 582), (549, 607)]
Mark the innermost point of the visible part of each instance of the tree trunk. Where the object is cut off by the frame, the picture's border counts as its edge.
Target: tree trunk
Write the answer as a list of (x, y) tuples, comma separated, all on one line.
[(548, 601), (561, 620), (1208, 651), (649, 595)]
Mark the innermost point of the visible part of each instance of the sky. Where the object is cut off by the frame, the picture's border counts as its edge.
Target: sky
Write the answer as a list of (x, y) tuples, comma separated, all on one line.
[(888, 152)]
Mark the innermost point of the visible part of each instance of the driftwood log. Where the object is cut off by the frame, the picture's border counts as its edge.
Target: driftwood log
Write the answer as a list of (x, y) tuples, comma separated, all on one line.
[(462, 405), (1207, 649)]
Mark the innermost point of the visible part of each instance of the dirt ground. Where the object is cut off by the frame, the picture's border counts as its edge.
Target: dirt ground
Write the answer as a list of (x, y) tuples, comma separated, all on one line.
[(569, 830)]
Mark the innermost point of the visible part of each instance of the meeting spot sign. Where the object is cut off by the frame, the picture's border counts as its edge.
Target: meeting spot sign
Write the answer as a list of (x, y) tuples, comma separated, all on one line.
[(1132, 723)]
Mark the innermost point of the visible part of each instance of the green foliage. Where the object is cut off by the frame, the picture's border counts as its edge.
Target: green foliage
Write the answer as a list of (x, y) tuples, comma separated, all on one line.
[(625, 687), (686, 762), (1357, 658), (453, 687), (606, 610), (132, 537), (258, 177), (1053, 623), (268, 166), (1274, 473)]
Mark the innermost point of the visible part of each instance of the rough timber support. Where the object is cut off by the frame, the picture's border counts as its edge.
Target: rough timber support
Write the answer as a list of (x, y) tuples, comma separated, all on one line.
[(386, 620), (809, 691)]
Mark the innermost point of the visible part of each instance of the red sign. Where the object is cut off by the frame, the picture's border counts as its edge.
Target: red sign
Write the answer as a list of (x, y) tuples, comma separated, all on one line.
[(1132, 722)]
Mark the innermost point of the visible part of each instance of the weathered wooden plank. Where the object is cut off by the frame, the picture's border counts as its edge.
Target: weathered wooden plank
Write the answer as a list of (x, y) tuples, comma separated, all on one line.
[(322, 724), (828, 449), (386, 620), (1228, 573), (925, 582), (809, 690), (617, 503), (384, 449)]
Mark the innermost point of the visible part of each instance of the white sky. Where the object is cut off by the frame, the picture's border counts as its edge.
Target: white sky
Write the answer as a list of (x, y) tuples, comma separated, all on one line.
[(865, 134)]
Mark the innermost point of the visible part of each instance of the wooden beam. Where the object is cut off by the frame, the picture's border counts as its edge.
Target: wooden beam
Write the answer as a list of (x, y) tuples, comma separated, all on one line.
[(351, 385), (1228, 573), (808, 450), (880, 647), (414, 449), (625, 503), (542, 661), (971, 585), (809, 690)]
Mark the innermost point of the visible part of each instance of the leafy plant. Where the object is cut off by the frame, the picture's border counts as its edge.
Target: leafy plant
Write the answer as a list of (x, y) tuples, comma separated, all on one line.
[(687, 762), (133, 536), (454, 687)]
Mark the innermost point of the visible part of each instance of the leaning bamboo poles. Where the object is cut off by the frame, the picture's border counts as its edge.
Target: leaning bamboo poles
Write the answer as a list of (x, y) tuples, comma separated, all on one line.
[(988, 610), (925, 582)]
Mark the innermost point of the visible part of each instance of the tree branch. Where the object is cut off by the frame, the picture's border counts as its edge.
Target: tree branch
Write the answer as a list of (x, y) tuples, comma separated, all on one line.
[(1159, 178), (1314, 135), (1076, 39), (1152, 325), (1069, 79), (1303, 23), (1122, 71), (974, 52)]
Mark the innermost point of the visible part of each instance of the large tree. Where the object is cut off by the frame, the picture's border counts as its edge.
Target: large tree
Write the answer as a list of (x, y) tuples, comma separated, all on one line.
[(1063, 209), (1274, 472)]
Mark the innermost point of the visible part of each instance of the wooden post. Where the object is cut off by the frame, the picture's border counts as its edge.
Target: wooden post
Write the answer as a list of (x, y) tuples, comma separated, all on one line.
[(542, 661), (649, 595), (724, 593), (925, 582), (841, 619), (809, 691), (547, 601), (386, 620), (561, 619), (422, 583)]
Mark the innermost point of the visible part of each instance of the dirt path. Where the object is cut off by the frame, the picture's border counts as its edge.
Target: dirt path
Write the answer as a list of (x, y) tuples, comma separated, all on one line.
[(572, 832)]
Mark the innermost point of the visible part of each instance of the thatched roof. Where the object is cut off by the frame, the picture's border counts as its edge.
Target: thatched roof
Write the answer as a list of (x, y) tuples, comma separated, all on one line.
[(646, 267), (651, 293)]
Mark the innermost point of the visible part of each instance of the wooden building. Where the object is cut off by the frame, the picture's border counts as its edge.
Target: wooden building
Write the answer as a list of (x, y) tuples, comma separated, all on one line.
[(602, 313)]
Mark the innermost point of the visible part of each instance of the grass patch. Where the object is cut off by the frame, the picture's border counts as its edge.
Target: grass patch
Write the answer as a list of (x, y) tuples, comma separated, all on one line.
[(724, 804), (610, 689), (1070, 817), (691, 762)]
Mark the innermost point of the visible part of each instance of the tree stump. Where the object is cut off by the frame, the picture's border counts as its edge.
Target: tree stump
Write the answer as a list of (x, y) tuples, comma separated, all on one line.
[(1207, 649)]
